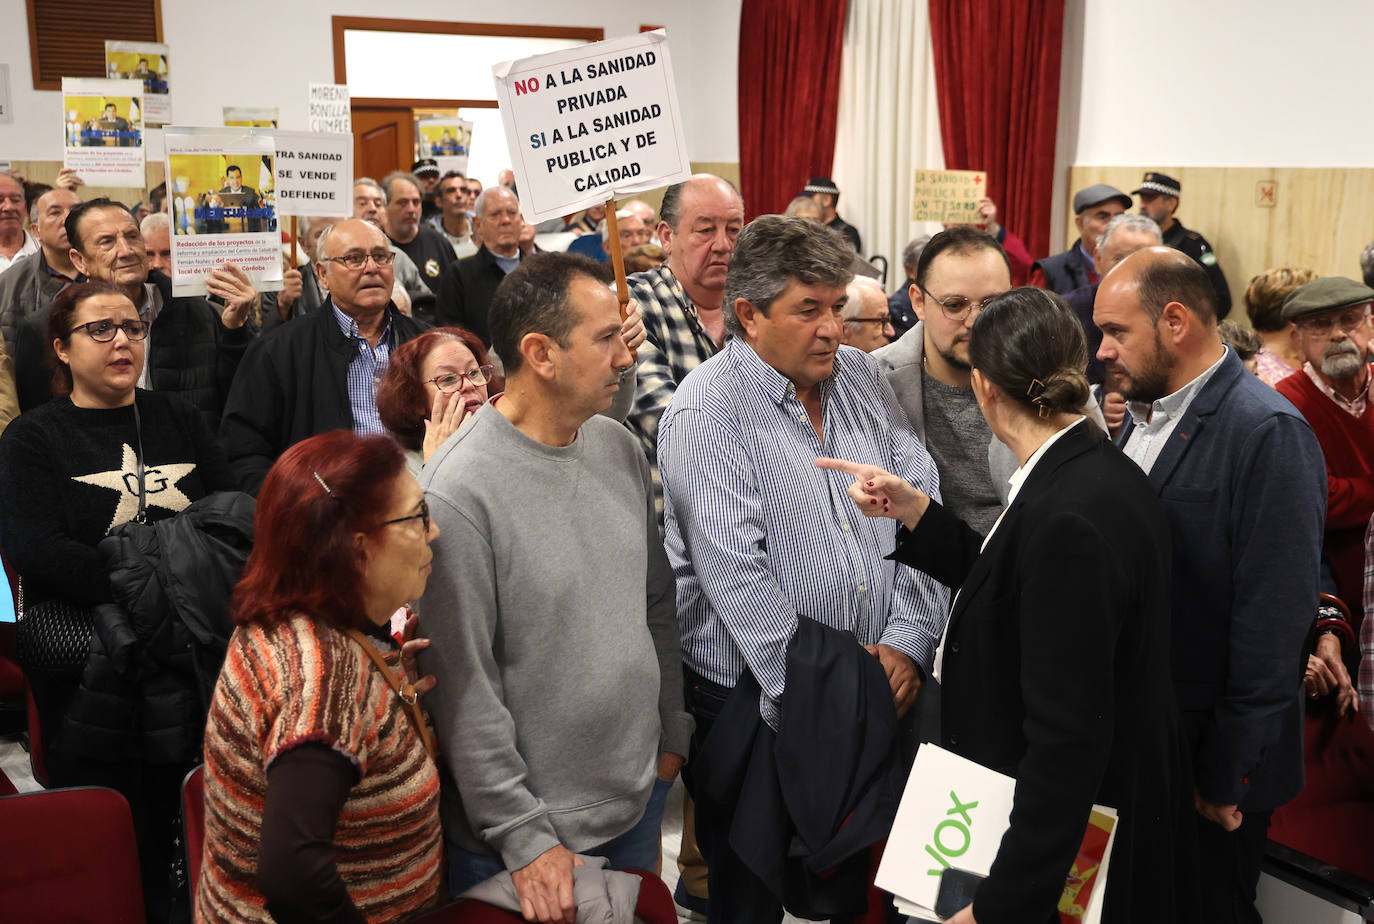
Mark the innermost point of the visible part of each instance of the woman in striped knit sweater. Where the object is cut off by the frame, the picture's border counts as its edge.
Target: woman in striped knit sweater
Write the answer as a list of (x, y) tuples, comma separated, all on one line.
[(321, 801)]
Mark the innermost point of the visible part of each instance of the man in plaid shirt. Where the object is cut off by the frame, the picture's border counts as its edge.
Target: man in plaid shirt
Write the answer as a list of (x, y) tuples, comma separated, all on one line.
[(681, 301)]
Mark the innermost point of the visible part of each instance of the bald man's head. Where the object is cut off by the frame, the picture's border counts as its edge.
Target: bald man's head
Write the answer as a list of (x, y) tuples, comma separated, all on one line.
[(1161, 275)]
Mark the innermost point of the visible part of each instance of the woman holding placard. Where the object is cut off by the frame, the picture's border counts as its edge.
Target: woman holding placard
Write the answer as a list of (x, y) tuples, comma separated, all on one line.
[(1054, 668)]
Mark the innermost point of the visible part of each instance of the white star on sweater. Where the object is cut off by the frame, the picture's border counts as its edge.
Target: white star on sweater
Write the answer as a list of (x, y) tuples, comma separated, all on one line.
[(159, 486)]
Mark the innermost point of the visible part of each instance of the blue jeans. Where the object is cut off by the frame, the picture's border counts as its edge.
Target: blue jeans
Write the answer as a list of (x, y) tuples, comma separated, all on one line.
[(637, 848)]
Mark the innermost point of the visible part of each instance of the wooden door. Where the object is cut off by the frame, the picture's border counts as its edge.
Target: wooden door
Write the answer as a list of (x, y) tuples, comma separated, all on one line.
[(383, 140)]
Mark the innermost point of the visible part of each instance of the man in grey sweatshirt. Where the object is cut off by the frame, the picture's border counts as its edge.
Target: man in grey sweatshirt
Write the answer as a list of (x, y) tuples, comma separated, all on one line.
[(551, 608)]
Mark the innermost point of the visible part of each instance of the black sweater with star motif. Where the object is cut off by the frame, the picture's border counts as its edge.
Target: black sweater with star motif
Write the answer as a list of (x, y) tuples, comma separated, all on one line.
[(68, 476)]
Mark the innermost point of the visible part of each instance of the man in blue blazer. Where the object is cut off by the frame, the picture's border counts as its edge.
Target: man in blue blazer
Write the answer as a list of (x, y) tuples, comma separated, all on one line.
[(1242, 479)]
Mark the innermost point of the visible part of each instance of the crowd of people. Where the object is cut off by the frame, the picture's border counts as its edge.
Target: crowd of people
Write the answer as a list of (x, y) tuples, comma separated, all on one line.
[(522, 556)]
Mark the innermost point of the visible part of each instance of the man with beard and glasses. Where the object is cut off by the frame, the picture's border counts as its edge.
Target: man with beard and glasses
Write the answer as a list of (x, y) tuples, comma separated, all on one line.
[(1332, 391), (1239, 472)]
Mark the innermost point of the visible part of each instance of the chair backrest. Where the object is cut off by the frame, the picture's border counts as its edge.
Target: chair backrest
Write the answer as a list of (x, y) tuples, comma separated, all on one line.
[(69, 855), (36, 761), (193, 822)]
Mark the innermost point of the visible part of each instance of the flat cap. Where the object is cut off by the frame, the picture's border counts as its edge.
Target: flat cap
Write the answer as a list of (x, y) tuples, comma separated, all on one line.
[(1326, 293), (1096, 194), (1159, 184)]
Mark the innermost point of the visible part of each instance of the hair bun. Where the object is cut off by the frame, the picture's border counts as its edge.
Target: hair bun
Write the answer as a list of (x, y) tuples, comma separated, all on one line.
[(1066, 390)]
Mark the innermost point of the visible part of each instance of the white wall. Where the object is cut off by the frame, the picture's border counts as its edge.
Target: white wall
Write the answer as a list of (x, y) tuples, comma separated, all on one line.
[(295, 47), (1222, 83)]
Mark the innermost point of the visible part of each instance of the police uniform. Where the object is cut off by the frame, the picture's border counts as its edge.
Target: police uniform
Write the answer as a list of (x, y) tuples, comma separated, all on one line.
[(1188, 241), (823, 184)]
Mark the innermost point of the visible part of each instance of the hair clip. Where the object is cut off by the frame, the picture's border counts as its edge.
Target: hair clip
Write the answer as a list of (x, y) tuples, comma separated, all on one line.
[(1035, 389), (322, 484)]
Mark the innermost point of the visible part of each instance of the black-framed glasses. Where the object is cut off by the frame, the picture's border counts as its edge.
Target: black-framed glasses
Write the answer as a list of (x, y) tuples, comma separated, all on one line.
[(106, 330), (357, 260), (422, 516), (884, 320), (1350, 322), (957, 307), (452, 381)]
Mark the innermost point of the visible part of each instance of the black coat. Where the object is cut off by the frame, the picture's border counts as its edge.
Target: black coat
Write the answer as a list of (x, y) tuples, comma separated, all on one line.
[(808, 801), (192, 355), (1065, 271), (1056, 672), (293, 384), (466, 290), (157, 650)]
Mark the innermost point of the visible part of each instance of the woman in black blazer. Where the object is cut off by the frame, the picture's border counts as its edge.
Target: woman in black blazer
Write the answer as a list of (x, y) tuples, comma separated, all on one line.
[(1055, 663)]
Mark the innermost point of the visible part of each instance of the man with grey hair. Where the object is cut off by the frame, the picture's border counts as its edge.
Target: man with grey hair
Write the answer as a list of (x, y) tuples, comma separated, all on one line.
[(467, 286), (157, 241), (1367, 264), (29, 287), (428, 249), (867, 324), (764, 551), (1122, 236), (369, 204), (899, 303)]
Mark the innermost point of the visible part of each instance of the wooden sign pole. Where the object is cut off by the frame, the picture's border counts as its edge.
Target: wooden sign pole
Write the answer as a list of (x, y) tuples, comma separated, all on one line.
[(612, 244), (293, 242)]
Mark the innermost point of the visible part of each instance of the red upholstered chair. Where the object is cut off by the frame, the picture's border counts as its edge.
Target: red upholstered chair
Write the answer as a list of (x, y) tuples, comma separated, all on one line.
[(655, 906), (193, 822), (69, 855)]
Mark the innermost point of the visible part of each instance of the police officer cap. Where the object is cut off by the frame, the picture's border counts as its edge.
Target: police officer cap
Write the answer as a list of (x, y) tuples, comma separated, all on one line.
[(1325, 294), (425, 165), (820, 184), (1159, 184), (1096, 194)]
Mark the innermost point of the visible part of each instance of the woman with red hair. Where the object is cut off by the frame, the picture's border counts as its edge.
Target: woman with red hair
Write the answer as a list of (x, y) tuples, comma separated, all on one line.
[(321, 793), (432, 387)]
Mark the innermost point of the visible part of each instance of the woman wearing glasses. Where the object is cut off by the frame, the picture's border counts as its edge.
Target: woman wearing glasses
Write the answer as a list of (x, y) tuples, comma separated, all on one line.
[(1054, 666), (101, 453), (321, 792), (431, 388)]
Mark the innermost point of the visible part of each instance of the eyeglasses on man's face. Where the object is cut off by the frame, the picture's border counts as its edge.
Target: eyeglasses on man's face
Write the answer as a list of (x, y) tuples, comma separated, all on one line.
[(1350, 322), (880, 320), (106, 330), (422, 516), (452, 381), (357, 259), (957, 307)]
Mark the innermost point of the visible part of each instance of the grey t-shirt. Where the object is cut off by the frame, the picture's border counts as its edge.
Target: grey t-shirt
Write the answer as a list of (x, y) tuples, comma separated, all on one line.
[(957, 437)]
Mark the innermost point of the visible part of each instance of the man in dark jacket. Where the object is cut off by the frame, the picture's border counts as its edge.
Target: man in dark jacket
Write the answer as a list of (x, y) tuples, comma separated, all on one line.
[(31, 284), (467, 286), (321, 372), (1093, 208), (193, 348)]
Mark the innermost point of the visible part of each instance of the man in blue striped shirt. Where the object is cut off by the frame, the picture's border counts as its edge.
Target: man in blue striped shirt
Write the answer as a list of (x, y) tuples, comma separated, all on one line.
[(757, 535)]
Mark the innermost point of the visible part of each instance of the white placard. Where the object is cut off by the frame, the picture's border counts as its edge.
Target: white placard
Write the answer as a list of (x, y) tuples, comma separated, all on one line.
[(314, 173), (446, 140), (592, 123), (6, 116), (103, 131), (222, 187), (329, 108), (145, 61)]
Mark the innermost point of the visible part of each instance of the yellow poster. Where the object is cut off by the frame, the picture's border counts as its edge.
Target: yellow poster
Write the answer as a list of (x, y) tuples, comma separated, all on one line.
[(948, 196)]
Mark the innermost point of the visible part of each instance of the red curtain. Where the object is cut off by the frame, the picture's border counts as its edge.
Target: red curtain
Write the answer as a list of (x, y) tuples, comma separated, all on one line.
[(997, 78), (789, 97)]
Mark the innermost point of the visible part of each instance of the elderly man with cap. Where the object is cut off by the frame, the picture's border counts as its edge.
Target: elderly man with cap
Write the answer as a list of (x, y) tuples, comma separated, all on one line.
[(827, 196), (1332, 391), (1093, 208), (1159, 199)]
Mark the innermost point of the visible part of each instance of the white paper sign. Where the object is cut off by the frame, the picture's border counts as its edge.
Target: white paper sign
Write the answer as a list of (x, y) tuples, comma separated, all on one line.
[(329, 108), (6, 116), (221, 184), (314, 173), (592, 123), (250, 116), (145, 61), (103, 131)]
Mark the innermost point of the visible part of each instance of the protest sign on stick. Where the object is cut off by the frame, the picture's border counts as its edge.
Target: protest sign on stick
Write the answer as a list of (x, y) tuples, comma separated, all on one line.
[(589, 124), (446, 139), (948, 196), (104, 131), (222, 185), (330, 108)]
